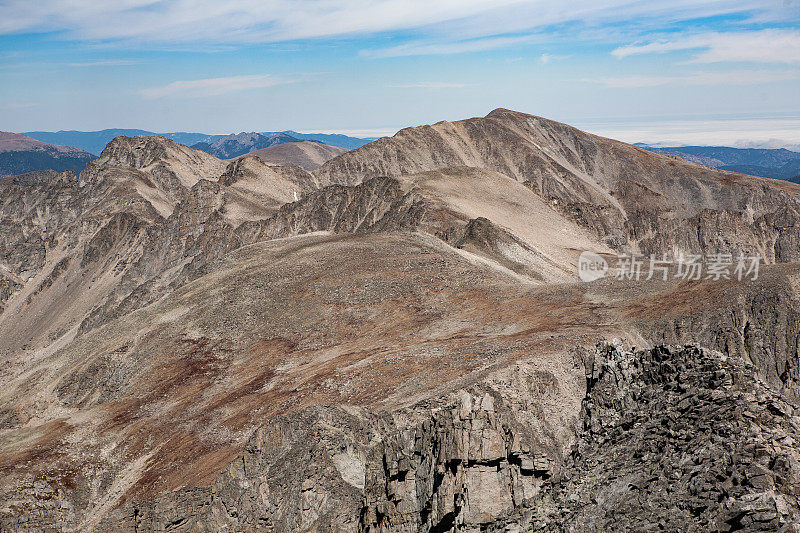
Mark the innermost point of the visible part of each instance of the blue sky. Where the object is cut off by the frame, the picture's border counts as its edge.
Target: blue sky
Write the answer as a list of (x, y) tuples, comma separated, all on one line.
[(678, 72)]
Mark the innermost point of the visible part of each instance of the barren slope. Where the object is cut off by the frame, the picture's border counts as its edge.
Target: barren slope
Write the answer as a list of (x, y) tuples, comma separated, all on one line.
[(307, 155), (632, 199), (179, 386), (172, 325), (536, 240), (172, 392)]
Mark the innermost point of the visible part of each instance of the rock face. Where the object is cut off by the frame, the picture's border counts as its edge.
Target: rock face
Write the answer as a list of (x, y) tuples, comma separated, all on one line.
[(300, 472), (675, 438), (758, 324), (393, 342), (463, 465), (461, 462)]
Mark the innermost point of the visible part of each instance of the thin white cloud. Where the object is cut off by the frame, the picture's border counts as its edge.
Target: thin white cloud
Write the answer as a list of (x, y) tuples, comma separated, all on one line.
[(248, 21), (738, 77), (211, 86), (762, 46), (105, 63), (432, 85), (546, 59), (421, 48), (233, 21)]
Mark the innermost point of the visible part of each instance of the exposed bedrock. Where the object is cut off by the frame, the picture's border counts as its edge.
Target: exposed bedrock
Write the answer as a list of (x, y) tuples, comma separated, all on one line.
[(672, 438)]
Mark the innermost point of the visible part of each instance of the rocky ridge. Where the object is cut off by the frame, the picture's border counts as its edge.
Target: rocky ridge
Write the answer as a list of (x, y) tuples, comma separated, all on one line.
[(633, 200), (177, 329), (675, 439)]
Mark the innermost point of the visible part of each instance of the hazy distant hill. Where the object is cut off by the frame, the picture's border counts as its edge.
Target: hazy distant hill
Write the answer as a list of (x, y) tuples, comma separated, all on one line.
[(243, 143), (307, 155), (95, 141), (343, 141), (768, 163), (91, 141), (20, 154)]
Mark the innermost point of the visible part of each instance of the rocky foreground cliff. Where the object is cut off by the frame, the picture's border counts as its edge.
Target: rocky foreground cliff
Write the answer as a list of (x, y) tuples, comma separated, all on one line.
[(396, 341), (672, 438)]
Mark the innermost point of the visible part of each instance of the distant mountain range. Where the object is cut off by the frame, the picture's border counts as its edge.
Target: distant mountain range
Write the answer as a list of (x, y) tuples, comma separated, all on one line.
[(332, 139), (71, 150), (94, 141), (32, 155), (768, 163), (20, 154), (243, 143)]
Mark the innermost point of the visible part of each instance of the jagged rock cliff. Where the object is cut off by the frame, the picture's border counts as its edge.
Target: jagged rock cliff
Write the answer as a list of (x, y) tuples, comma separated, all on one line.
[(673, 438), (676, 439)]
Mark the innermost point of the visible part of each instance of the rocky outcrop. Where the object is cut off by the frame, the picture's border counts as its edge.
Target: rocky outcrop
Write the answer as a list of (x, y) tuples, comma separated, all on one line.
[(459, 461), (676, 439), (758, 321), (298, 473), (161, 157), (376, 205), (465, 464)]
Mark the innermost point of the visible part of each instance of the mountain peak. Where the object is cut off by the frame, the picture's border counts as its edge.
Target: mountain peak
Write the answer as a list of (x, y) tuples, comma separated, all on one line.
[(502, 112), (243, 136), (308, 155), (160, 157), (138, 151)]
